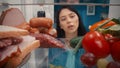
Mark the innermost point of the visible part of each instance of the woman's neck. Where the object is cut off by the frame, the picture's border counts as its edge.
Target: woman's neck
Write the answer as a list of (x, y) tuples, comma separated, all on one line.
[(69, 36)]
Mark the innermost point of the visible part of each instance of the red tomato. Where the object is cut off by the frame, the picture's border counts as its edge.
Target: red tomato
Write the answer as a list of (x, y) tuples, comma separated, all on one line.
[(111, 39), (115, 51), (88, 59), (113, 64), (94, 42)]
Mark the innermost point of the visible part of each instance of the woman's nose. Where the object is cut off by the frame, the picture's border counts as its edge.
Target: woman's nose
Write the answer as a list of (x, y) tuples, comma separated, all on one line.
[(68, 20)]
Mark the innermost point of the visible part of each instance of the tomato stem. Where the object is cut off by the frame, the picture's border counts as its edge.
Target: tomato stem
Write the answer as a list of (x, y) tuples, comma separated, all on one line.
[(79, 44)]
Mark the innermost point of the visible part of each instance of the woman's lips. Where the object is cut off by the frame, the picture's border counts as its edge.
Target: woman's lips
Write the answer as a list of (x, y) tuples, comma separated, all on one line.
[(70, 27)]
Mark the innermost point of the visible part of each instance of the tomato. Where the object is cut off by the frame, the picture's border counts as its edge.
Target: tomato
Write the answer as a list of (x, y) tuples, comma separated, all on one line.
[(94, 42), (113, 64), (111, 39), (115, 51), (88, 59)]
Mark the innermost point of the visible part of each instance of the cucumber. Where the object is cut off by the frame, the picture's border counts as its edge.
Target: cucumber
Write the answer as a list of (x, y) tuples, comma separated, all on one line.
[(74, 41)]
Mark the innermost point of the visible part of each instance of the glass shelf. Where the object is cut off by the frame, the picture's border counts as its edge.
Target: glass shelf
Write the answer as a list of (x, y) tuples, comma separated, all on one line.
[(93, 4)]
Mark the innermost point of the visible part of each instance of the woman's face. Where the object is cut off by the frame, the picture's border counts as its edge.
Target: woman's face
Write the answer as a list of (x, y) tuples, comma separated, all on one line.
[(69, 21)]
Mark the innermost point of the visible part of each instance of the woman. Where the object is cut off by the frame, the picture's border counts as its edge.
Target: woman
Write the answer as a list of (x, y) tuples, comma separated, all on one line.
[(69, 25)]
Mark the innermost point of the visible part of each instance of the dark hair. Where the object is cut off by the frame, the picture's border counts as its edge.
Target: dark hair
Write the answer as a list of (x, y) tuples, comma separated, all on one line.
[(60, 32)]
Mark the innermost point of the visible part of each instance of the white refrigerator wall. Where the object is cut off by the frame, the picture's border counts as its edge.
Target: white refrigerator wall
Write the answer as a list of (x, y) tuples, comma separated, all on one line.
[(114, 11), (30, 11)]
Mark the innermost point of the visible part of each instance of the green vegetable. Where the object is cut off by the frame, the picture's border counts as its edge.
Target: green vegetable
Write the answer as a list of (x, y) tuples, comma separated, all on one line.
[(113, 30), (74, 41), (117, 21)]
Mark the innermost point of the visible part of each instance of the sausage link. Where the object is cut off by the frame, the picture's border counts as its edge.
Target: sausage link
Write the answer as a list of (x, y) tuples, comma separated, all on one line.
[(41, 22)]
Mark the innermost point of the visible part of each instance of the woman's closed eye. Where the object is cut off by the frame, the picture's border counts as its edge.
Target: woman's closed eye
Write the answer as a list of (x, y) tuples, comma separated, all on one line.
[(72, 15), (63, 18)]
